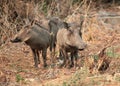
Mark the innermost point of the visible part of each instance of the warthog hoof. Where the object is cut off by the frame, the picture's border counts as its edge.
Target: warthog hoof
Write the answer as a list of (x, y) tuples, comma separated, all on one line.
[(70, 66), (45, 65), (61, 66), (36, 65)]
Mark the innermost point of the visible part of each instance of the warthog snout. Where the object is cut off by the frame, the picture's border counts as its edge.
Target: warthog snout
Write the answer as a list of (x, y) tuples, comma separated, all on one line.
[(82, 46), (15, 40)]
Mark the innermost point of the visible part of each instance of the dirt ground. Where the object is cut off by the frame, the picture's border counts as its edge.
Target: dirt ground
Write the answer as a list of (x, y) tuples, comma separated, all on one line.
[(17, 68)]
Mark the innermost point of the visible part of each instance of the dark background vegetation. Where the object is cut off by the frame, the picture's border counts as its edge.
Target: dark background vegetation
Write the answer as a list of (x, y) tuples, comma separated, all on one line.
[(14, 12)]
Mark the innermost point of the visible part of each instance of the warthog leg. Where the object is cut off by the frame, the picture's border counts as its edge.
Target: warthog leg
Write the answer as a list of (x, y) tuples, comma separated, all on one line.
[(35, 57), (44, 51), (65, 56), (74, 55), (38, 56)]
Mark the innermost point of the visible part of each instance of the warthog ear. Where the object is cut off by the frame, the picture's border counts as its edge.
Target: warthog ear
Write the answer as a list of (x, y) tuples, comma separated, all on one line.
[(66, 25)]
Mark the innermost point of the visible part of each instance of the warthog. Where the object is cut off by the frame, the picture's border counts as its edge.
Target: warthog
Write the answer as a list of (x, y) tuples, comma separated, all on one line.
[(69, 40), (37, 37), (55, 24)]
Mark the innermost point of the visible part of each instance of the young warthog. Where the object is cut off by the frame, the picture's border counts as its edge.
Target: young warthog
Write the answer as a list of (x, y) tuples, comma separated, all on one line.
[(37, 38), (69, 40)]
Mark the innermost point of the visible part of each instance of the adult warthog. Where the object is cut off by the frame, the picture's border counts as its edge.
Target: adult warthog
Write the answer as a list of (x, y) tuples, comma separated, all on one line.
[(69, 40), (37, 37)]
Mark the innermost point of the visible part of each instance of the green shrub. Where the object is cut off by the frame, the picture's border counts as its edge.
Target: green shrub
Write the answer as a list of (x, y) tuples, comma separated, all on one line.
[(19, 78)]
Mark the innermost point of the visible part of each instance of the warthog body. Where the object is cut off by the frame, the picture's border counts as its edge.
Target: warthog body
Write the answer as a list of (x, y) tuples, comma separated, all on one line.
[(55, 24), (37, 38), (69, 40)]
